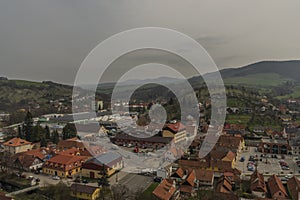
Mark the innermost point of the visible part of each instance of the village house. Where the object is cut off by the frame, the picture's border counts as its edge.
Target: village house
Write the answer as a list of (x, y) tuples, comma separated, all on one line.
[(188, 185), (110, 162), (293, 186), (64, 165), (25, 162), (221, 160), (224, 185), (258, 185), (175, 130), (295, 147), (204, 178), (84, 191), (234, 143), (16, 145), (166, 190), (276, 188), (71, 143)]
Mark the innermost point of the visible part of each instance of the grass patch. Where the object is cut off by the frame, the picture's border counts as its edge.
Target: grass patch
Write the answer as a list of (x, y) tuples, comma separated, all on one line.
[(150, 189), (262, 79), (237, 119)]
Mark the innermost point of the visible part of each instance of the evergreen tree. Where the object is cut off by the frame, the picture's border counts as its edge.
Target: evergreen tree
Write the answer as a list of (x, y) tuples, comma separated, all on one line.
[(28, 126), (103, 181), (69, 131), (55, 137), (43, 142), (20, 132), (47, 132), (37, 133)]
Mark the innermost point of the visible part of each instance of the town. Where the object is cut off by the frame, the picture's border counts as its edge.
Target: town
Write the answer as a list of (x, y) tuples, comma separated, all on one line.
[(43, 155)]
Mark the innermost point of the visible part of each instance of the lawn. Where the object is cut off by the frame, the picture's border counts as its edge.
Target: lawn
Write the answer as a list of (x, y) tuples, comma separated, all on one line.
[(237, 119), (262, 79), (150, 189)]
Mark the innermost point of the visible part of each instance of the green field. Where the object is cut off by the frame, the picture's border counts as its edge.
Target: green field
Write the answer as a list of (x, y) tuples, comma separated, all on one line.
[(237, 119), (262, 79)]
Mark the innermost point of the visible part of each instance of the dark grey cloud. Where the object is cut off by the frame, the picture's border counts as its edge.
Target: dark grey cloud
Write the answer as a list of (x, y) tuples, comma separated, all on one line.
[(48, 39)]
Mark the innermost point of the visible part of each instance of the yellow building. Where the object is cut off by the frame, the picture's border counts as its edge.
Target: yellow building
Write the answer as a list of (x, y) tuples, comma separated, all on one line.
[(110, 162), (16, 145), (85, 191), (64, 165), (177, 131)]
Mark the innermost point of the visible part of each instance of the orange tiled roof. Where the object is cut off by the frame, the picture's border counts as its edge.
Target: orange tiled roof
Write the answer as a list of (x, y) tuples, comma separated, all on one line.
[(257, 182), (204, 175), (15, 142), (176, 127), (191, 179), (179, 172), (293, 185), (224, 185), (165, 190), (65, 162), (276, 185)]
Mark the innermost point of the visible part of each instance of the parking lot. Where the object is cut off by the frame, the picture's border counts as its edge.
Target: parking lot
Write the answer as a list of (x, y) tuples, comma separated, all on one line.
[(267, 164)]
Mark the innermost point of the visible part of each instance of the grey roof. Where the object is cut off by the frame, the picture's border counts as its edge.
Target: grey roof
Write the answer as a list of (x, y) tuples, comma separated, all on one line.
[(106, 158)]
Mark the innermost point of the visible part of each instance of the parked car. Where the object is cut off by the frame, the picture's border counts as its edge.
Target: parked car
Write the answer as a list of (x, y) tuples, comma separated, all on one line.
[(284, 179), (77, 180), (242, 159), (85, 181), (157, 179), (55, 178), (285, 168), (288, 176)]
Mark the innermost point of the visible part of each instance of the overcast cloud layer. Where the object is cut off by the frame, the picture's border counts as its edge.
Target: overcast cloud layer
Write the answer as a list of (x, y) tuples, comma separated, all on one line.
[(48, 39)]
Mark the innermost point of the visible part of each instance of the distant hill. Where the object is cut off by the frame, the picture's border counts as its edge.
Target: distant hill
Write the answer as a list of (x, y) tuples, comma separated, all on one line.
[(16, 94), (289, 70)]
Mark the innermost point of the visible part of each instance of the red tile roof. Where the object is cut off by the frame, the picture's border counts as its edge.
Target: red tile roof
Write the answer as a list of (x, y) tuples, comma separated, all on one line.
[(15, 142), (257, 182), (165, 190), (176, 127), (179, 173), (65, 162), (293, 185), (275, 185), (224, 185), (190, 180), (204, 175)]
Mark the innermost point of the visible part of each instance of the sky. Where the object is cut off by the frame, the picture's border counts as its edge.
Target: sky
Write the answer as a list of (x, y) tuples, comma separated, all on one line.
[(49, 39)]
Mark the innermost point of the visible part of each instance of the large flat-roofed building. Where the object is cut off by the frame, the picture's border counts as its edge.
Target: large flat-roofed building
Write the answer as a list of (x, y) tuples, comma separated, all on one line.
[(155, 142), (275, 146)]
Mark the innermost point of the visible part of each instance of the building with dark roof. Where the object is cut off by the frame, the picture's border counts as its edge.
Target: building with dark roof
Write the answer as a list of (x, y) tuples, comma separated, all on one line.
[(155, 142), (94, 168), (84, 191)]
